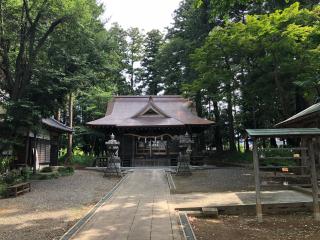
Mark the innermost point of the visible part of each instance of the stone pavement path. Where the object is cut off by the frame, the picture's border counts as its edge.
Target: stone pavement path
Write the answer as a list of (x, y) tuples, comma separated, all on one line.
[(139, 210)]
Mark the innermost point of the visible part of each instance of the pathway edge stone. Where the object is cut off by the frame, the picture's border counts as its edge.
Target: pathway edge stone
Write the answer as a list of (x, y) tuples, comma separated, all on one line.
[(186, 227)]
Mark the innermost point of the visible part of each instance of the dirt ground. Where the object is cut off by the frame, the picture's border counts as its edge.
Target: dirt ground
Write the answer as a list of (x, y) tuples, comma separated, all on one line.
[(216, 180), (286, 227), (52, 206)]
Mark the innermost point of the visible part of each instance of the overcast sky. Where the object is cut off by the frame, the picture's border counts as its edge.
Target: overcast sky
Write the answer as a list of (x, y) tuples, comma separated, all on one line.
[(144, 14)]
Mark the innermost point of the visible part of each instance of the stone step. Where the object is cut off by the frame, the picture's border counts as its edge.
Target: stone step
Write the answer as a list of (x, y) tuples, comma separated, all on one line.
[(210, 212)]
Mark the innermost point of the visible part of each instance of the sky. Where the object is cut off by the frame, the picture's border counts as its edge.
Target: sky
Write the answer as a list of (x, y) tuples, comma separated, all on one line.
[(144, 14)]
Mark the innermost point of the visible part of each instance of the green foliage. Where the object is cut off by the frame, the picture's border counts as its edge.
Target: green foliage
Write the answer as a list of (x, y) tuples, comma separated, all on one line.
[(134, 55), (65, 171), (234, 157), (13, 177), (3, 189), (151, 76), (243, 63), (82, 160), (45, 175), (275, 157), (49, 49), (4, 164), (46, 169), (26, 173), (92, 102)]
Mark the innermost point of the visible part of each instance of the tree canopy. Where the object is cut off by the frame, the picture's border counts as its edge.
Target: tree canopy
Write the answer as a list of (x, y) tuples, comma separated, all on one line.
[(246, 64)]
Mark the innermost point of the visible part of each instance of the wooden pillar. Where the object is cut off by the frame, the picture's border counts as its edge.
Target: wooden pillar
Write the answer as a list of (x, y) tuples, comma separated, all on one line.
[(26, 159), (257, 180), (133, 150), (314, 182), (304, 157)]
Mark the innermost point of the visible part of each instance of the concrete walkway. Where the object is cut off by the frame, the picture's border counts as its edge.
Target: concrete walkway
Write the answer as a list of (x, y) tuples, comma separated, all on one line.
[(138, 210), (194, 200)]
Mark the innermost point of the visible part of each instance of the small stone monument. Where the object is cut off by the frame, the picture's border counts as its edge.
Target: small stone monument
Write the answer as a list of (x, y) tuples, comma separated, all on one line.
[(183, 167), (114, 161)]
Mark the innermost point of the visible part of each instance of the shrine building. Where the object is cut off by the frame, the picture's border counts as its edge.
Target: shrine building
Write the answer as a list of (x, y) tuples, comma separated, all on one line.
[(148, 127)]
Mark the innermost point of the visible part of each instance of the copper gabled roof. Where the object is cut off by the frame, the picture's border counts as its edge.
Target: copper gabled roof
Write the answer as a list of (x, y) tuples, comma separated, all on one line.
[(130, 111)]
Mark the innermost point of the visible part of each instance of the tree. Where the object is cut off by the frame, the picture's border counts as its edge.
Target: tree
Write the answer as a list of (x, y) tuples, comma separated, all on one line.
[(135, 51), (49, 50), (151, 77), (117, 58), (24, 33), (244, 63)]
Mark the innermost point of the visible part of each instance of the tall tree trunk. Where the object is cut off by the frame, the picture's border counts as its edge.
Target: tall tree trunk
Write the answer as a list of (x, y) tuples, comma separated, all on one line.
[(70, 137), (132, 76), (300, 101), (57, 115), (217, 129), (246, 142), (198, 103), (238, 144), (232, 141), (281, 93), (34, 170)]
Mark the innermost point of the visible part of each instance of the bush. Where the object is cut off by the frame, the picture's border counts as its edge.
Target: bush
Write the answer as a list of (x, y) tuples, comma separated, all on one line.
[(45, 176), (12, 177), (82, 160), (25, 173), (234, 157), (79, 158), (3, 189), (65, 171), (46, 169), (275, 156), (4, 164)]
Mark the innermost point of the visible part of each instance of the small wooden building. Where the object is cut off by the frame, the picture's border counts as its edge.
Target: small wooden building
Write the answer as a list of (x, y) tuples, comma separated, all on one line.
[(44, 148), (308, 118), (148, 127)]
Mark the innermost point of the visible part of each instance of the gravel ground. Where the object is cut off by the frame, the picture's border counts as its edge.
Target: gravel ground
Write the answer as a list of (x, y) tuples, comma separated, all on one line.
[(216, 180), (293, 227), (52, 206)]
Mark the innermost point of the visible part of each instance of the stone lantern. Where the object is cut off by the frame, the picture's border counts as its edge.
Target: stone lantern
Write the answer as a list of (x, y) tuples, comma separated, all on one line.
[(114, 161), (183, 167)]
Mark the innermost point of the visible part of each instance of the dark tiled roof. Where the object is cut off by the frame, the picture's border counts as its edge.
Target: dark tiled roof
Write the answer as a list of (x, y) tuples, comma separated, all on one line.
[(301, 115), (131, 111), (56, 125)]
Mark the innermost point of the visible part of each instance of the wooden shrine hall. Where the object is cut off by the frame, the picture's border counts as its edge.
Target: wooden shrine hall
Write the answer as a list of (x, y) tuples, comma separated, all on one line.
[(148, 127)]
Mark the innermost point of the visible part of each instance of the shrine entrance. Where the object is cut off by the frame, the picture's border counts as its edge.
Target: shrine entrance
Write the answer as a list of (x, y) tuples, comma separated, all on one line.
[(154, 151)]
